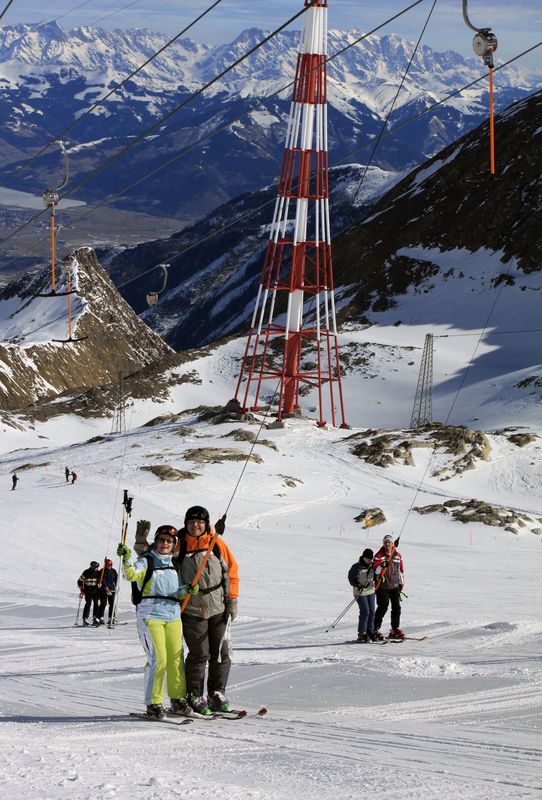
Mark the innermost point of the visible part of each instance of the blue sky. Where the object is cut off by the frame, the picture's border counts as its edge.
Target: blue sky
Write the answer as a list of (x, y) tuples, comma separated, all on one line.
[(518, 25)]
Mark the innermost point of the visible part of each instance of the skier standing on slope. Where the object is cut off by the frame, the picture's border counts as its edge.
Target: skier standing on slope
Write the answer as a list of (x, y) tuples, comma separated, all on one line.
[(67, 474), (108, 589), (389, 581), (207, 617), (89, 589), (14, 479), (159, 620), (361, 577)]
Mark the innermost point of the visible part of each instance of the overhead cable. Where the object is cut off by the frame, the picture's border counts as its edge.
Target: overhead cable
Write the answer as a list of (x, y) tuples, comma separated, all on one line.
[(392, 105)]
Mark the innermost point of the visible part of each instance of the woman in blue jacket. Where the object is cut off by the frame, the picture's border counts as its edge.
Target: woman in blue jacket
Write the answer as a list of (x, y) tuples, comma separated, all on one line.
[(159, 620)]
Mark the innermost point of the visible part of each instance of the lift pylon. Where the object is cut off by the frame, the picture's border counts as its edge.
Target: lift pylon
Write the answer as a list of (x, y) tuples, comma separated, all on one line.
[(297, 275), (422, 412)]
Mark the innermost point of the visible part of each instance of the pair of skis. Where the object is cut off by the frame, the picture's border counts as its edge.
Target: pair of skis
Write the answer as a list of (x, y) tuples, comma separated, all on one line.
[(390, 639), (176, 719)]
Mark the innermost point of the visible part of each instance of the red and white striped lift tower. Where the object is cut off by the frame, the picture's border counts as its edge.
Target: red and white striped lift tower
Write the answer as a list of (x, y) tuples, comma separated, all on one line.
[(298, 256)]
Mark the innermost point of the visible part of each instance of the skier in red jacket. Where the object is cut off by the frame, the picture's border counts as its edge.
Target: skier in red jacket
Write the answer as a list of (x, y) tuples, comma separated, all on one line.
[(389, 582)]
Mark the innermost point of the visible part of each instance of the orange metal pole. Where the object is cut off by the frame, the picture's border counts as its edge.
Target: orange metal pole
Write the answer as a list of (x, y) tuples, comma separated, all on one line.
[(69, 310), (53, 248), (491, 125)]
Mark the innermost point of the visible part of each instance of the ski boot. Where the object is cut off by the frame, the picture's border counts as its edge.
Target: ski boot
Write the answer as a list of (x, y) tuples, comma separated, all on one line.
[(85, 623), (199, 704), (181, 706), (378, 637), (156, 710), (396, 633), (363, 638), (218, 702)]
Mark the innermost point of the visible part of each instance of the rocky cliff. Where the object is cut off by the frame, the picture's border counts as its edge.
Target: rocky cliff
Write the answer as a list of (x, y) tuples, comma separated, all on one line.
[(36, 361)]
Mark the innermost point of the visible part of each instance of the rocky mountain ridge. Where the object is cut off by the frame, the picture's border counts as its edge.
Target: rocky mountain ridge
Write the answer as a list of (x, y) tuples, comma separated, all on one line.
[(35, 368)]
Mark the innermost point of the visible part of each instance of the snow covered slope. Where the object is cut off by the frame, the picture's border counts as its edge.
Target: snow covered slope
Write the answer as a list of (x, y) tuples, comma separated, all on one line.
[(456, 714)]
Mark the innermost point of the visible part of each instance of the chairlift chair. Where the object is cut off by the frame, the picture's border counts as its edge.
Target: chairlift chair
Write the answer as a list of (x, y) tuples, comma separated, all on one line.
[(152, 297)]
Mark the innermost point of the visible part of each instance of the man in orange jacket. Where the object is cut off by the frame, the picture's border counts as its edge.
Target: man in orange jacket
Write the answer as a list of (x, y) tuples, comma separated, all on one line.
[(207, 616)]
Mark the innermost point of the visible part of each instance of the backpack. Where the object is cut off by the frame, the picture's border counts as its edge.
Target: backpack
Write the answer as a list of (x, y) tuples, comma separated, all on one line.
[(137, 592), (353, 574)]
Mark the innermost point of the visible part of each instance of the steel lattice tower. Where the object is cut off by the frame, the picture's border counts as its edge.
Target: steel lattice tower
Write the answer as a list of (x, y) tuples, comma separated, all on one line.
[(119, 417), (422, 412), (297, 265)]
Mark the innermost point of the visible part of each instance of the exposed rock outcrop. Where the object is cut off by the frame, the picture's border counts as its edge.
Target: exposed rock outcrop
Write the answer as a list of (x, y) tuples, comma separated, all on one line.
[(385, 448), (469, 511), (34, 367)]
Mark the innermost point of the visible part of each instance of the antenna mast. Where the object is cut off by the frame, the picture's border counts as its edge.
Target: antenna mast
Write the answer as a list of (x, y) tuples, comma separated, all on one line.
[(282, 345)]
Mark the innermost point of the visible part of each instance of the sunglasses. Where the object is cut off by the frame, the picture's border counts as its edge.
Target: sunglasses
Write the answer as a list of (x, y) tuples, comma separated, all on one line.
[(165, 539)]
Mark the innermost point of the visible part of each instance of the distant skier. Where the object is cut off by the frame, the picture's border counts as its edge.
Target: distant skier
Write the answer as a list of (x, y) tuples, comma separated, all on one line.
[(74, 477), (107, 592), (361, 577), (389, 581), (160, 590), (67, 474), (14, 480), (89, 589)]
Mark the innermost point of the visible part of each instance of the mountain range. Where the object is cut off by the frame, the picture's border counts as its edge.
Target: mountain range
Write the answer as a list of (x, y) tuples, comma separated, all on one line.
[(49, 77)]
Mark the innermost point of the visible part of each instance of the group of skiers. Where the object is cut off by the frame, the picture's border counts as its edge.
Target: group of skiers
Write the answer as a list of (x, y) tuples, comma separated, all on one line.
[(71, 477), (378, 580), (178, 566), (98, 587)]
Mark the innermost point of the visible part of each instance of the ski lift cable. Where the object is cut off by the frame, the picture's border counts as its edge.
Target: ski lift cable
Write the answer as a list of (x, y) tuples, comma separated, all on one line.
[(116, 11), (164, 118), (71, 10), (102, 100), (5, 9), (392, 105)]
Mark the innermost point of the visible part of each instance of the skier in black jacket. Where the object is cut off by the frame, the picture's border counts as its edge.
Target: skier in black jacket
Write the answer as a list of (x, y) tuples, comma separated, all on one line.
[(89, 589)]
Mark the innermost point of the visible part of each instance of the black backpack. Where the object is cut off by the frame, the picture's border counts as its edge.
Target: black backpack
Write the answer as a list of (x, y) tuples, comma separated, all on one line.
[(137, 592), (353, 574)]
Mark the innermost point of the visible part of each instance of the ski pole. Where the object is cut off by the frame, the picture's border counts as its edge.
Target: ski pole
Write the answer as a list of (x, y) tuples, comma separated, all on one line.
[(78, 609), (226, 637), (341, 615), (126, 513)]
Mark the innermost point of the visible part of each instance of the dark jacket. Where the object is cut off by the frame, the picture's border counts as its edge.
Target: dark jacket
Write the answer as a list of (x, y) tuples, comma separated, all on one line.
[(88, 581), (361, 577)]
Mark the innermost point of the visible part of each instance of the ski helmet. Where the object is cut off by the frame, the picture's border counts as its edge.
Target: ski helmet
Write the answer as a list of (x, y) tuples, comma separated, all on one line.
[(168, 530), (197, 512), (108, 562), (94, 564), (368, 554)]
